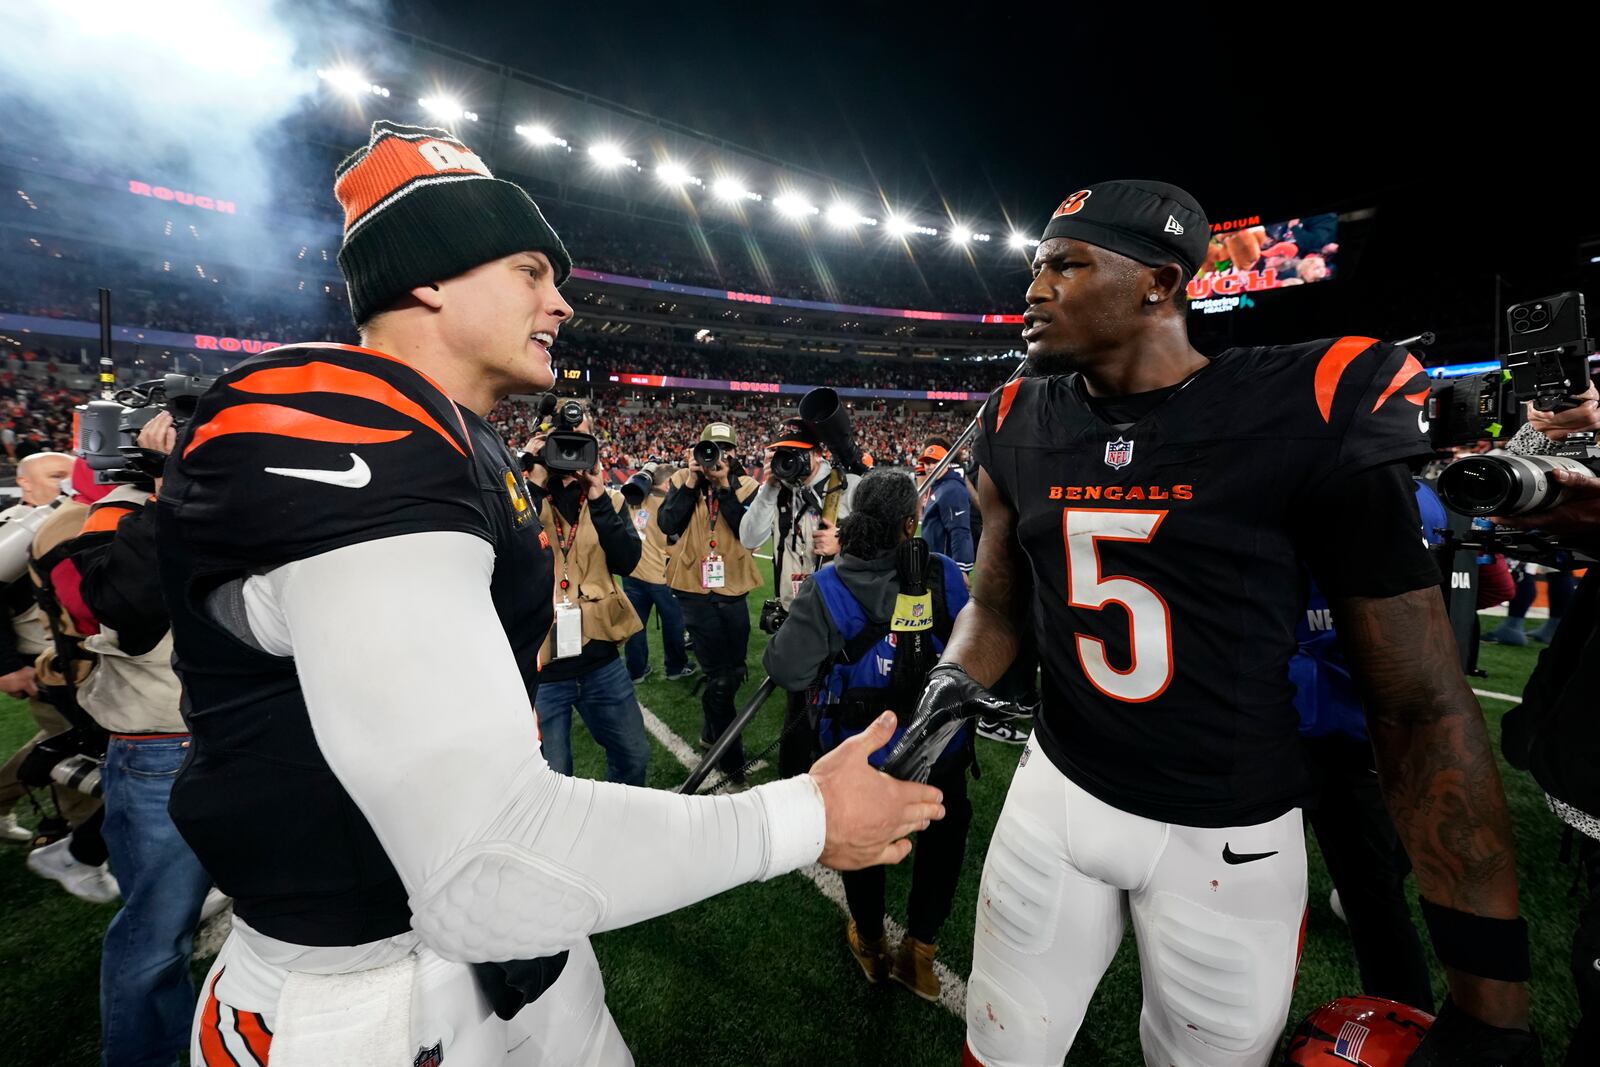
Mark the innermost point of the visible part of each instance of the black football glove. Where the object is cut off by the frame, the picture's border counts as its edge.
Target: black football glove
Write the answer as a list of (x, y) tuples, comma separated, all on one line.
[(951, 699), (1456, 1039)]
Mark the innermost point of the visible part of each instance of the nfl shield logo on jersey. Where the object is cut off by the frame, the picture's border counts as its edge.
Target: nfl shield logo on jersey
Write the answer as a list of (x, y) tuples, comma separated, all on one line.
[(1119, 453), (429, 1057)]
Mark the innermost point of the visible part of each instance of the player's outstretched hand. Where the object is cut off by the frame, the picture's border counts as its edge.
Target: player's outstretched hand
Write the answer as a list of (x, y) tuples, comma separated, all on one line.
[(869, 813), (951, 699)]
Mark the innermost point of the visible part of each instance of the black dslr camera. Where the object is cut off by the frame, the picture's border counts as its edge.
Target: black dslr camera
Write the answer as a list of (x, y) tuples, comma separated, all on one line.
[(108, 429), (707, 453), (1548, 368), (566, 450), (773, 615), (791, 466)]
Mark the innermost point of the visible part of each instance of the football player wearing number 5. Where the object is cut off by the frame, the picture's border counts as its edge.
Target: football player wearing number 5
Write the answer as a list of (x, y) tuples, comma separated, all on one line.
[(1146, 508)]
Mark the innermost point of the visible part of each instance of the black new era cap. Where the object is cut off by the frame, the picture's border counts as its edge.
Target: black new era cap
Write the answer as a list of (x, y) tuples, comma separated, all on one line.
[(1151, 222)]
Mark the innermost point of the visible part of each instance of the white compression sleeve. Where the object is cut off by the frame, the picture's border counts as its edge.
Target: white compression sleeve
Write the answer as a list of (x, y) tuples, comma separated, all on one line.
[(418, 707)]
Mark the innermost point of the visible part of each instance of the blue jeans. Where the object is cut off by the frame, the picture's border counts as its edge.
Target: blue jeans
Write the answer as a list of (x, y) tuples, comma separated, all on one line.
[(604, 697), (146, 997), (643, 595)]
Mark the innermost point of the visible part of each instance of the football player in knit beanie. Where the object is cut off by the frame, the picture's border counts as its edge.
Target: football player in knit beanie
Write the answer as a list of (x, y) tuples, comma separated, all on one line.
[(430, 233)]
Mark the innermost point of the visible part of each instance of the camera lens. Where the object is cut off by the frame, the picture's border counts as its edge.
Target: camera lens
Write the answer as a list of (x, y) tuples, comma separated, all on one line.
[(1477, 485), (708, 454)]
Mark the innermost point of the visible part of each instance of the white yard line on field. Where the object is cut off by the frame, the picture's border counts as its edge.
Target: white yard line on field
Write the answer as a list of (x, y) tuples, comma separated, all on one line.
[(953, 993)]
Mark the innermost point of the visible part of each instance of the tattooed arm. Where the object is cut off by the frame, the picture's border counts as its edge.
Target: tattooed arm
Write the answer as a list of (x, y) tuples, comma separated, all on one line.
[(987, 632), (1437, 771)]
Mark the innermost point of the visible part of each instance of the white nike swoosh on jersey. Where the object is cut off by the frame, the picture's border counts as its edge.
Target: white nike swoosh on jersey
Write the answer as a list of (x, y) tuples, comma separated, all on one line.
[(958, 514), (356, 477), (1422, 421)]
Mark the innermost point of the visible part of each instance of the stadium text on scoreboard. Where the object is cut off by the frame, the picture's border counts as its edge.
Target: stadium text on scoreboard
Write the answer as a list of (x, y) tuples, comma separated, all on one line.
[(206, 342), (1236, 224), (161, 192)]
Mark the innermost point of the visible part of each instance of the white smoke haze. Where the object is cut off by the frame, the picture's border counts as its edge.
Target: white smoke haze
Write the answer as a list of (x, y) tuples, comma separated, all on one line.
[(188, 93)]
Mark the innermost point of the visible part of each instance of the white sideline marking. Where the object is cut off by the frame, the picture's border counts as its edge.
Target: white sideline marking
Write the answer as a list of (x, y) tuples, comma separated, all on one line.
[(1507, 697), (953, 991)]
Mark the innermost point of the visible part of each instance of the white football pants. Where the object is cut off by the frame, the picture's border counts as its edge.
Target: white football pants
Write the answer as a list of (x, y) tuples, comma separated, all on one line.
[(568, 1026), (1219, 938)]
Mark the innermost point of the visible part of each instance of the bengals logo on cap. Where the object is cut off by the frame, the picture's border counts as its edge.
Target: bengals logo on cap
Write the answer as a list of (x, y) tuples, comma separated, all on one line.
[(1073, 204)]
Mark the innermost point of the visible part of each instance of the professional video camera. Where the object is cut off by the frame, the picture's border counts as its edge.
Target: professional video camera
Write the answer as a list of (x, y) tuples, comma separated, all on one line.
[(1548, 368), (107, 429), (566, 450), (773, 615)]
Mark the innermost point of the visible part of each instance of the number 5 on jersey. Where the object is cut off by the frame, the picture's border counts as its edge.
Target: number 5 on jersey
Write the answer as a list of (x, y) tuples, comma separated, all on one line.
[(1149, 621)]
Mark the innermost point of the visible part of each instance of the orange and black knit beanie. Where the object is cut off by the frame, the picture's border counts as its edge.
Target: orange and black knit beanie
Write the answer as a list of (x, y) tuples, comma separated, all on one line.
[(419, 206)]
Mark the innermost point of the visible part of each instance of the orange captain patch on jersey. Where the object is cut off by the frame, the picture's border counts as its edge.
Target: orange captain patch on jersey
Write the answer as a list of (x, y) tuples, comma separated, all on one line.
[(1332, 367), (288, 422), (1408, 370), (1008, 396), (330, 378)]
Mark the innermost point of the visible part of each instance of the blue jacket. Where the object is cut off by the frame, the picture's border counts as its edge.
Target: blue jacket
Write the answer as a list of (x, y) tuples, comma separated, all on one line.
[(947, 520), (1325, 694)]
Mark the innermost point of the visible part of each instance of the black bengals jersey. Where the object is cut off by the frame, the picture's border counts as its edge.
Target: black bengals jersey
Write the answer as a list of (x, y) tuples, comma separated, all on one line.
[(1166, 562), (301, 451)]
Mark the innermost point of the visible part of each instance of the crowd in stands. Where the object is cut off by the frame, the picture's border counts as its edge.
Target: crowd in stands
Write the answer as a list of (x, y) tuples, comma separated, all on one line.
[(632, 435)]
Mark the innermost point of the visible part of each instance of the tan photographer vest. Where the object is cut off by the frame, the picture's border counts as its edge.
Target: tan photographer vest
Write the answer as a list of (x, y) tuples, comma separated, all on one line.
[(607, 614), (739, 566), (656, 552)]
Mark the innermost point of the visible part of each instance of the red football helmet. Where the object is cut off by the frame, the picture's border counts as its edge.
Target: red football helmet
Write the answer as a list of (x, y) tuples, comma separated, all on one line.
[(1369, 1031)]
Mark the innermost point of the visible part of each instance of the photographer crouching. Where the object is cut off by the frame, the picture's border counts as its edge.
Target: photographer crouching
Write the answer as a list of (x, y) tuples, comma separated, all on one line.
[(581, 669), (800, 505), (103, 577), (712, 573)]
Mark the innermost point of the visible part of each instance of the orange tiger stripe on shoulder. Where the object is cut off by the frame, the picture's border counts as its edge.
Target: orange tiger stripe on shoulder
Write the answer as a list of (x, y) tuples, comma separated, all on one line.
[(1008, 396), (288, 422), (103, 517), (318, 377), (1332, 367), (1408, 370)]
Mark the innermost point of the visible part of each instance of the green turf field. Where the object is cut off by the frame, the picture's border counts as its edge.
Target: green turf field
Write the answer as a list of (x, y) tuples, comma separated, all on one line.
[(761, 975)]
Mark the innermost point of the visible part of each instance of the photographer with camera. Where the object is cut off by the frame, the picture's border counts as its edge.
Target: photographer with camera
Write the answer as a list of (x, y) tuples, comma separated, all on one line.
[(863, 634), (646, 587), (593, 542), (712, 573), (1555, 732), (799, 505), (39, 478), (97, 569)]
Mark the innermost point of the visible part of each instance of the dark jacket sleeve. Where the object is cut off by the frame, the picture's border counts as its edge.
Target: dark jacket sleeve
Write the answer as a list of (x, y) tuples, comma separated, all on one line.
[(10, 658), (731, 507), (677, 509), (121, 583), (956, 510), (617, 536), (805, 643)]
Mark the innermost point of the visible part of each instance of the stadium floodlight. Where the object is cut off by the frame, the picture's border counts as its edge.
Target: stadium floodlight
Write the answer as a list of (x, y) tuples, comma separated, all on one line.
[(845, 217), (610, 156), (980, 237), (540, 135), (1019, 241), (794, 206), (351, 82), (898, 226), (731, 189), (960, 235), (447, 108), (676, 174)]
